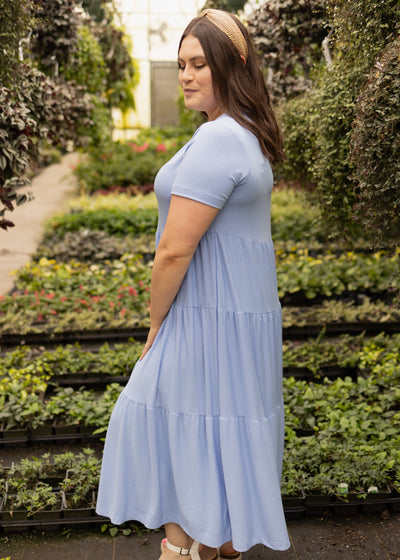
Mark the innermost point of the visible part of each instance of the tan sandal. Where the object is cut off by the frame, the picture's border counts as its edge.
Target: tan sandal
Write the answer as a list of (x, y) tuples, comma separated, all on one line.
[(193, 551), (230, 556)]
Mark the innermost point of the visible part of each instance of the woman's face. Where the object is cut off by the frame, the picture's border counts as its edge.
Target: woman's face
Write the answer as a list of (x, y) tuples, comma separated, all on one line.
[(195, 78)]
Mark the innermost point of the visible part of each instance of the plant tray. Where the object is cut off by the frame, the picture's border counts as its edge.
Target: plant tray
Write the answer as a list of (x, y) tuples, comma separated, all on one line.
[(140, 334), (334, 329)]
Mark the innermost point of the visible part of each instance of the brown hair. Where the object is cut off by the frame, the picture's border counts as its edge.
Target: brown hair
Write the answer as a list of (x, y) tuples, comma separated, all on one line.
[(240, 87)]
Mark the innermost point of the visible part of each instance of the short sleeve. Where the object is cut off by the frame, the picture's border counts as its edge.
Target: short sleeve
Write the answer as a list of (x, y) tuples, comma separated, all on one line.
[(213, 165)]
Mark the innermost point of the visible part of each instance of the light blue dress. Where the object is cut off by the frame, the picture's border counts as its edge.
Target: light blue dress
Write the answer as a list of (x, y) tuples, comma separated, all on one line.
[(196, 437)]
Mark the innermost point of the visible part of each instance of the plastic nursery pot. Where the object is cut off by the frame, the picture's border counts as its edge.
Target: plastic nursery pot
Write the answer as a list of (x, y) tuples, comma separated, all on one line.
[(295, 500), (15, 434), (317, 503), (348, 504), (47, 514), (43, 430), (377, 501), (70, 512)]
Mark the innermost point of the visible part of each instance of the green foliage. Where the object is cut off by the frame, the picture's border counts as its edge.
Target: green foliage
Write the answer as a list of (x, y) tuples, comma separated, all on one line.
[(17, 150), (110, 221), (60, 108), (362, 28), (128, 164), (15, 20), (87, 67), (299, 140), (288, 36), (55, 35), (227, 5), (122, 73), (322, 120), (375, 148), (91, 245)]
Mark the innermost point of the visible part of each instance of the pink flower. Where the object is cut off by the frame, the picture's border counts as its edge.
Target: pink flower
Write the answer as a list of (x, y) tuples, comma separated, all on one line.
[(112, 304), (63, 298), (40, 317), (161, 148), (122, 312), (50, 296), (83, 302), (53, 311), (132, 291)]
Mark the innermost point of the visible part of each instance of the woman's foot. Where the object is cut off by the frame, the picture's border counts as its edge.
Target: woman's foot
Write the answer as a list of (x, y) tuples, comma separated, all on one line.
[(195, 552), (227, 552)]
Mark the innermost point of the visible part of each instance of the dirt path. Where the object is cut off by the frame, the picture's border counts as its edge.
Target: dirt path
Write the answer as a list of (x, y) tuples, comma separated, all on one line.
[(51, 189)]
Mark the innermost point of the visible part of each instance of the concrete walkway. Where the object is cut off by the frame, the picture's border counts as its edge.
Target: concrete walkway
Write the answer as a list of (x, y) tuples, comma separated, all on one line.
[(344, 538), (51, 188)]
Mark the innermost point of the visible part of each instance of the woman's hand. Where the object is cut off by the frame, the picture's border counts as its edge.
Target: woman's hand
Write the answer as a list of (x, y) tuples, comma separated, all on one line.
[(150, 339)]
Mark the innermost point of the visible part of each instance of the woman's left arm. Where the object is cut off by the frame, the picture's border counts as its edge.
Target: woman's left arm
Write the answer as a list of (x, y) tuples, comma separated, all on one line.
[(187, 222)]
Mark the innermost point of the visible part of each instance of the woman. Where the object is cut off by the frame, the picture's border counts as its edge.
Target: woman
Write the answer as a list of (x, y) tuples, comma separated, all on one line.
[(195, 441)]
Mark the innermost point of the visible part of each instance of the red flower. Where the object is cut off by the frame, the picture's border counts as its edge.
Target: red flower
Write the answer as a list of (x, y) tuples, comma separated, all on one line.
[(53, 311), (83, 302), (63, 298), (122, 312), (161, 148), (50, 296), (40, 317), (112, 304), (132, 291)]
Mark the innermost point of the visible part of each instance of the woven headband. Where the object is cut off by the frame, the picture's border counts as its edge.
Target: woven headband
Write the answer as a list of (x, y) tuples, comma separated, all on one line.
[(227, 24)]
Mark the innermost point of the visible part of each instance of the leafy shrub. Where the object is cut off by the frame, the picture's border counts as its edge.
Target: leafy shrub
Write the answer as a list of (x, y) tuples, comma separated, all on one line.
[(375, 148), (299, 140), (128, 164), (17, 150), (122, 74), (60, 108), (55, 35), (15, 20), (92, 245), (87, 67), (288, 36), (110, 221), (324, 122)]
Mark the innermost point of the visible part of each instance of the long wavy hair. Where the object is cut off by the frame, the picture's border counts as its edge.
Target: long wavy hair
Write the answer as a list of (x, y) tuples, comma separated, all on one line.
[(239, 87)]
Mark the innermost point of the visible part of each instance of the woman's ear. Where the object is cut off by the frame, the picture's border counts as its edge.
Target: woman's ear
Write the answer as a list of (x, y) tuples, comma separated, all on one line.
[(243, 60)]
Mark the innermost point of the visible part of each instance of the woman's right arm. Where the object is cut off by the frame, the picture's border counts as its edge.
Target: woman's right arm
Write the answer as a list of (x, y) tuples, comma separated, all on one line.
[(187, 222)]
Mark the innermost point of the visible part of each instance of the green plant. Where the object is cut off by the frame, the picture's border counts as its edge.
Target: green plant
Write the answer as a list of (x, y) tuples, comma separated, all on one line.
[(15, 20), (33, 499), (361, 29), (86, 66), (55, 35), (17, 151), (375, 149), (122, 73), (92, 245), (288, 37), (122, 164), (82, 478), (111, 221)]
